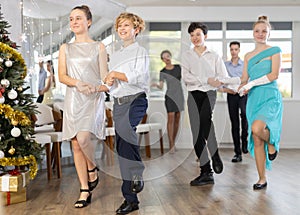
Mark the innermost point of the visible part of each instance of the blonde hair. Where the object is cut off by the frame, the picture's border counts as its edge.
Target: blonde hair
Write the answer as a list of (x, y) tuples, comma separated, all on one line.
[(263, 19), (138, 22)]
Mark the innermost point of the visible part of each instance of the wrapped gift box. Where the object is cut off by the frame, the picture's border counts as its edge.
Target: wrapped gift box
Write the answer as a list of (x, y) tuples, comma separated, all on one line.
[(8, 198), (13, 183)]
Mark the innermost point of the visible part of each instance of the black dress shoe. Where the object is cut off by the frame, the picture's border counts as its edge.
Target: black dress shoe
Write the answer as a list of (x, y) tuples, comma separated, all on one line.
[(137, 184), (259, 186), (127, 207), (272, 156), (236, 158), (245, 148), (203, 179), (217, 163)]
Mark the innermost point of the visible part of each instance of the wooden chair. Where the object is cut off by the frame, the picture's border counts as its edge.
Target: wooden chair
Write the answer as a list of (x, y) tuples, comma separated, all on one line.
[(110, 135), (143, 129), (45, 125), (45, 140)]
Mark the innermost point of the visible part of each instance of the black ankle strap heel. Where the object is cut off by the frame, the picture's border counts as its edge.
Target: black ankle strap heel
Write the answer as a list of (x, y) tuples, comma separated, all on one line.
[(93, 184)]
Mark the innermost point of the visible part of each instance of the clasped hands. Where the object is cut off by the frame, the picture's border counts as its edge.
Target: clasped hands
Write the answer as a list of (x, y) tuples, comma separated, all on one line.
[(235, 82), (87, 88)]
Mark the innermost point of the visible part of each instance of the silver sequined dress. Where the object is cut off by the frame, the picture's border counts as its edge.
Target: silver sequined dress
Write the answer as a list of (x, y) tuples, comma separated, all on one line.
[(83, 112)]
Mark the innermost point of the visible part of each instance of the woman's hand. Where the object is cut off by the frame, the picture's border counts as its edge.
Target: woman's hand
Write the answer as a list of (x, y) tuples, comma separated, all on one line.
[(214, 82), (85, 88), (242, 90)]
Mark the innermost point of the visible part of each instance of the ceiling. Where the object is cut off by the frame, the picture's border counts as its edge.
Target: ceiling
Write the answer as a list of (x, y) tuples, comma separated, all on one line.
[(180, 3), (109, 8), (41, 14)]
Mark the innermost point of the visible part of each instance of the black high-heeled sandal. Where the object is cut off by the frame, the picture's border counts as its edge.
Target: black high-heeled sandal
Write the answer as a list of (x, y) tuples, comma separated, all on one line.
[(81, 203), (93, 184)]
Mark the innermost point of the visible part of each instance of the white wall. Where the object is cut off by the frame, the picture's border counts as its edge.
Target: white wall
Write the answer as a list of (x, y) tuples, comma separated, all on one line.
[(291, 117), (157, 113), (12, 13)]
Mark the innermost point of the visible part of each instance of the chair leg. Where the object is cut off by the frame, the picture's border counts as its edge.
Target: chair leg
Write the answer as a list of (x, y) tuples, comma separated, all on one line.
[(111, 149), (161, 142), (57, 158), (48, 160), (147, 144), (103, 150), (53, 157)]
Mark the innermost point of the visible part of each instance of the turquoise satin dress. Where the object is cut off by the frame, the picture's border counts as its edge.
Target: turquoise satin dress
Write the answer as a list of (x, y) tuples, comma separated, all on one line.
[(264, 101)]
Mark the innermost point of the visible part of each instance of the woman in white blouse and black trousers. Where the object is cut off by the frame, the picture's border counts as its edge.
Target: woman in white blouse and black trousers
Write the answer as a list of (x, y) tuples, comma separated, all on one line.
[(129, 73)]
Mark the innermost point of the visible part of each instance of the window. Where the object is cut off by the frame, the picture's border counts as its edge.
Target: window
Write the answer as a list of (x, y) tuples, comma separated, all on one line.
[(281, 35), (162, 36)]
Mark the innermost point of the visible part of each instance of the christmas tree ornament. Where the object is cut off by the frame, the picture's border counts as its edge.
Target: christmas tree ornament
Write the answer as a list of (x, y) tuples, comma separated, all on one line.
[(8, 63), (2, 99), (11, 150), (1, 154), (5, 82), (15, 132), (20, 88), (14, 122), (2, 89), (1, 60), (12, 94), (28, 137)]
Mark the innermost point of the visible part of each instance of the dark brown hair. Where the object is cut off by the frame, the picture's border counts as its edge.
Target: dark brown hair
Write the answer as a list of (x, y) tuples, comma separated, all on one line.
[(235, 43), (194, 25), (86, 11), (163, 52)]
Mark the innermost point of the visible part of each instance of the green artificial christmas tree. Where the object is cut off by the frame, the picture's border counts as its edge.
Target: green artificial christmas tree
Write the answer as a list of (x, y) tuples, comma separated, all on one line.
[(17, 148)]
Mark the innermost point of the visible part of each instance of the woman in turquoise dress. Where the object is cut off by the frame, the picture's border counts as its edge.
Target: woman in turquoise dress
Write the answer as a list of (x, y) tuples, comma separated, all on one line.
[(264, 105)]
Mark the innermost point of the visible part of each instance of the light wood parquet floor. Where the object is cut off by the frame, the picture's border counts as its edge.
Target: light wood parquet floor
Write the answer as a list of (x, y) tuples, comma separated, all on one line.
[(167, 190)]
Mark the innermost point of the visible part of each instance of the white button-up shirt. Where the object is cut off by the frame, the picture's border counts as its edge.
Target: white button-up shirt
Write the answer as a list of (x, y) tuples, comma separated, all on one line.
[(133, 61), (197, 69)]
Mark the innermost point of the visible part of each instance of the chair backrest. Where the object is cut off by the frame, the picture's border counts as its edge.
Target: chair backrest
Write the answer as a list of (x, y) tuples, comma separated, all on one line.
[(45, 115)]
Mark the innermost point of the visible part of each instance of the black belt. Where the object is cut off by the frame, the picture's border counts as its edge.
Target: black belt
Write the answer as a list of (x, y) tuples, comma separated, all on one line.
[(129, 98)]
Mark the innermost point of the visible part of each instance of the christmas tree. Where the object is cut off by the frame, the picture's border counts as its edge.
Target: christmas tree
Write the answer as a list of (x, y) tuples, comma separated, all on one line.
[(17, 148)]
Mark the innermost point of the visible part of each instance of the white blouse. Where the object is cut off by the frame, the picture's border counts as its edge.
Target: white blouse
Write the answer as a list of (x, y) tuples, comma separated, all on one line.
[(132, 60), (197, 69)]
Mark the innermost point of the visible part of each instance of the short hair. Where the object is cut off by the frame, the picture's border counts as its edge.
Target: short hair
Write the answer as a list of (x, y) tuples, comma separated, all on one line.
[(194, 25), (235, 43), (163, 52), (138, 22)]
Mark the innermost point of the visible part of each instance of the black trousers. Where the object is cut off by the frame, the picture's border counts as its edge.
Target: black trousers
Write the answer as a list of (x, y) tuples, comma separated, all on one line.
[(126, 117), (200, 108), (40, 99), (237, 113)]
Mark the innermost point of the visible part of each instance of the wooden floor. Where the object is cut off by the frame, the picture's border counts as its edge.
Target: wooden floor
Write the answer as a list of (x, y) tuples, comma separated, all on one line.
[(167, 190)]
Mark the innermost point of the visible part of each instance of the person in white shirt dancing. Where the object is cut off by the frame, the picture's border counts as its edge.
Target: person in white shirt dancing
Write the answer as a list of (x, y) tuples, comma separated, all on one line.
[(129, 73), (200, 70)]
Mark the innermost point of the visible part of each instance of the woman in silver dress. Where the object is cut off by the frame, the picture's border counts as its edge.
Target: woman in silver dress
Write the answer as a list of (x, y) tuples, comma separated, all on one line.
[(82, 65)]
